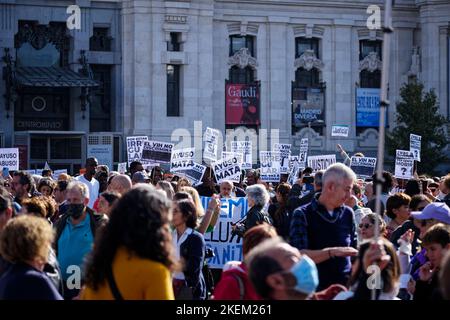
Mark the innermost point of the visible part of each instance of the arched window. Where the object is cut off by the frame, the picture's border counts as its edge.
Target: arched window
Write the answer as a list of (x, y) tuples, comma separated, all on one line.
[(244, 76)]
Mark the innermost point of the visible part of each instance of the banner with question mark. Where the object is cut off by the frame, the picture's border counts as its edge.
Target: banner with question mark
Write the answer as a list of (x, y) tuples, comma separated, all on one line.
[(414, 145), (404, 168)]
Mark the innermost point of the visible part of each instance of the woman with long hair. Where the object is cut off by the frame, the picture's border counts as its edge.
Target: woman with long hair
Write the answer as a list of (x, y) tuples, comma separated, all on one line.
[(279, 212), (132, 257)]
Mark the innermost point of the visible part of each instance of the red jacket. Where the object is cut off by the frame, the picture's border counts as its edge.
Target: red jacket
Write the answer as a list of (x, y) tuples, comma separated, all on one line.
[(228, 287)]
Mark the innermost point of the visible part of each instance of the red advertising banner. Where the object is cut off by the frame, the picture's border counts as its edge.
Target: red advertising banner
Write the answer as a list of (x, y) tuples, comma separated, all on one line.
[(23, 156), (242, 104)]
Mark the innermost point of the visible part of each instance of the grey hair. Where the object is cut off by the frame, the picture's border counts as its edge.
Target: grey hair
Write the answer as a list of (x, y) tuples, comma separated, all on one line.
[(80, 187), (258, 193), (338, 172), (167, 188)]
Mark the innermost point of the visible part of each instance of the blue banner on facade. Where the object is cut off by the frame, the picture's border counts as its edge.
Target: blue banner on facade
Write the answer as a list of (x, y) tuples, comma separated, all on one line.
[(367, 107)]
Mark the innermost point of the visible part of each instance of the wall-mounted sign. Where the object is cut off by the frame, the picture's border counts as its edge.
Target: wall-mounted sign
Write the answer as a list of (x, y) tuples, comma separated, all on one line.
[(242, 104)]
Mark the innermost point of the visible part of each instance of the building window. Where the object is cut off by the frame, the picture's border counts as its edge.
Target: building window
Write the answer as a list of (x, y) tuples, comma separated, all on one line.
[(307, 79), (303, 44), (368, 46), (100, 40), (173, 90), (370, 79), (100, 107), (174, 43), (242, 76), (239, 42)]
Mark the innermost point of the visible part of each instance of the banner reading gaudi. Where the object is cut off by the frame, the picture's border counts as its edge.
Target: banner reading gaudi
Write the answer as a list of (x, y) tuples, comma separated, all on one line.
[(242, 104)]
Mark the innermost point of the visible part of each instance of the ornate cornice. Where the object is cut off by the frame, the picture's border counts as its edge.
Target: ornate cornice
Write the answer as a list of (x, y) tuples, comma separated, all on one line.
[(242, 59), (308, 60), (370, 62)]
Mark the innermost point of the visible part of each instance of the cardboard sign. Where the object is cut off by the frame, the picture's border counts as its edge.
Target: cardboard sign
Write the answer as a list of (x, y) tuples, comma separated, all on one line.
[(103, 154), (181, 158), (339, 131), (9, 158), (404, 168), (303, 150), (404, 154), (227, 169), (414, 145), (269, 166), (134, 148), (211, 144), (193, 171), (226, 247), (226, 154), (285, 153), (363, 166), (157, 151), (244, 147), (321, 162), (122, 167), (32, 171)]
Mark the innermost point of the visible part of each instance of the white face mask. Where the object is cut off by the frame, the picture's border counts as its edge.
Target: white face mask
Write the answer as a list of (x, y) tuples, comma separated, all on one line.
[(441, 195)]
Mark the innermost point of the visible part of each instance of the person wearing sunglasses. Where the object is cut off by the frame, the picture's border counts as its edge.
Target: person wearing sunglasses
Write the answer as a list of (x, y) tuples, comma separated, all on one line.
[(367, 226)]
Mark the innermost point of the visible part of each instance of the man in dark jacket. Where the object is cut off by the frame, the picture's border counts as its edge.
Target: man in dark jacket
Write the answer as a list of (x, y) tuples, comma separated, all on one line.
[(296, 201), (75, 232), (325, 229)]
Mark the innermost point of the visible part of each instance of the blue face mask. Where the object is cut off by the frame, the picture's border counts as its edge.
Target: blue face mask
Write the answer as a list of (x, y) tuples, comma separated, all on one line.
[(305, 272)]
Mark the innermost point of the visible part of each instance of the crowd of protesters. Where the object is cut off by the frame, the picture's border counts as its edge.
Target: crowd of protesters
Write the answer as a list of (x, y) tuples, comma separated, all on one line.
[(141, 235)]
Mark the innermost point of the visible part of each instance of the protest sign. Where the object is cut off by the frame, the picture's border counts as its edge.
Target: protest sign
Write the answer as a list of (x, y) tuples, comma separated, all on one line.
[(122, 167), (404, 168), (404, 154), (9, 158), (157, 151), (303, 150), (269, 166), (321, 162), (244, 147), (134, 148), (32, 171), (339, 131), (181, 158), (193, 171), (414, 145), (285, 152), (226, 247), (363, 166), (227, 169), (211, 144), (240, 156)]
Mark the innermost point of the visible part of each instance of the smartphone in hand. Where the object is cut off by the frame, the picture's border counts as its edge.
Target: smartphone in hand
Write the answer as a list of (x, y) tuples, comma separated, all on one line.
[(5, 172)]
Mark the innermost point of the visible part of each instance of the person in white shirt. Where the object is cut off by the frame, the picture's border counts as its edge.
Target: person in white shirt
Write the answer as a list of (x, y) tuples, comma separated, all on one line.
[(89, 180)]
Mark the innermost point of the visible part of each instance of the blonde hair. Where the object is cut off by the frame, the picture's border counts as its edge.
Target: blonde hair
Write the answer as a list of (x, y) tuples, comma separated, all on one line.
[(64, 177), (196, 199), (26, 238)]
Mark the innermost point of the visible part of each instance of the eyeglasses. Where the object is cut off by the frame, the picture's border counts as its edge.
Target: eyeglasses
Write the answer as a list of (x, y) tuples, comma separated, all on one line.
[(365, 225)]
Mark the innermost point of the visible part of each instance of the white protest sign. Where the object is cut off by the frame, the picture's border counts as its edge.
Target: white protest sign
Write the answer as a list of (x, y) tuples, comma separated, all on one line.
[(414, 145), (244, 147), (181, 158), (404, 154), (157, 151), (227, 169), (285, 152), (211, 144), (122, 167), (363, 166), (226, 247), (404, 168), (303, 150), (39, 172), (269, 166), (321, 162), (240, 156), (339, 131), (134, 148), (193, 171), (103, 154), (32, 171), (56, 173), (9, 158)]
